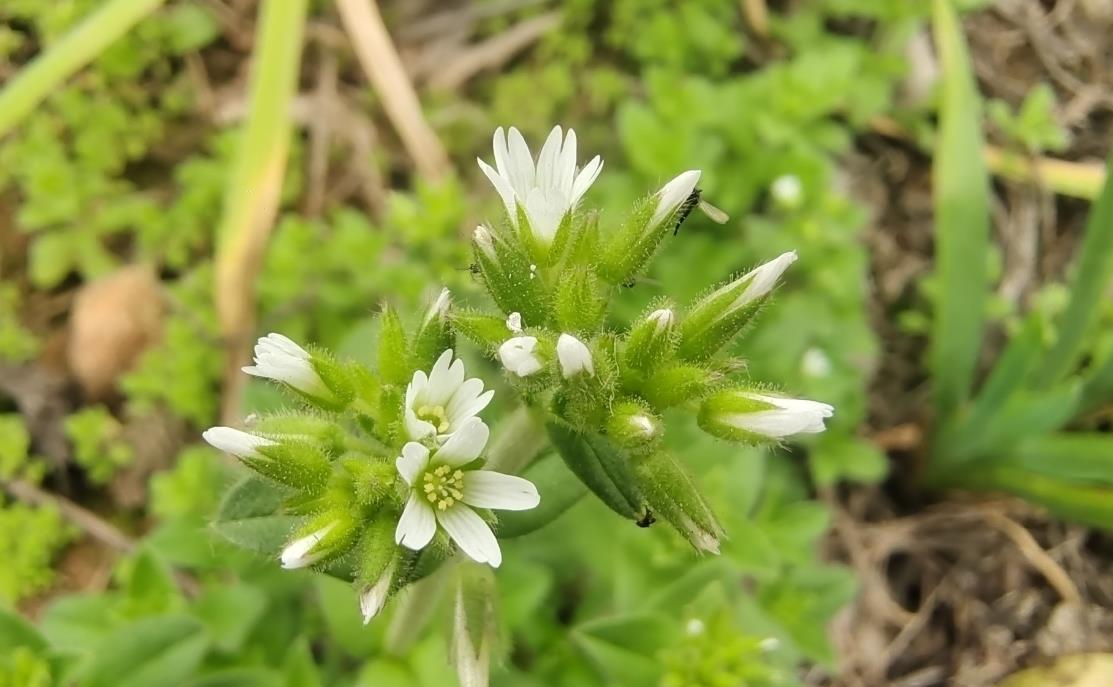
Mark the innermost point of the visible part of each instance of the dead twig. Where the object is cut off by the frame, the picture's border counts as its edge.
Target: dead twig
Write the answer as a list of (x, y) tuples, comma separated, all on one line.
[(320, 134), (757, 16), (379, 59), (493, 52)]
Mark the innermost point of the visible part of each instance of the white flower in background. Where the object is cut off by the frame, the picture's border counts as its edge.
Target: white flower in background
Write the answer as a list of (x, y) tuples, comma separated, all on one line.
[(439, 403), (373, 598), (673, 194), (574, 356), (514, 322), (280, 359), (787, 190), (303, 552), (547, 190), (815, 363), (786, 417), (517, 355), (236, 442), (442, 493)]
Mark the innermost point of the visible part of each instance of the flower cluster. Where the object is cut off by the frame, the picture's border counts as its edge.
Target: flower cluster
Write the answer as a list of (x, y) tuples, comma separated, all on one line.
[(386, 468)]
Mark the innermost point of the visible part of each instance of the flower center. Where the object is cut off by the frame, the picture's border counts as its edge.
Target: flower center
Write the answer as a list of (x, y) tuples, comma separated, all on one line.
[(444, 487), (435, 416)]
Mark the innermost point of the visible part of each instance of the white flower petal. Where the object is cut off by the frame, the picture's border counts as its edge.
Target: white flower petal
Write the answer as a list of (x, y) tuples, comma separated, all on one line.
[(416, 388), (473, 408), (300, 554), (567, 166), (764, 278), (503, 188), (465, 444), (523, 174), (416, 428), (468, 400), (547, 160), (790, 416), (585, 179), (517, 356), (514, 322), (234, 441), (373, 598), (487, 489), (471, 534), (417, 525), (574, 356), (673, 194), (412, 462)]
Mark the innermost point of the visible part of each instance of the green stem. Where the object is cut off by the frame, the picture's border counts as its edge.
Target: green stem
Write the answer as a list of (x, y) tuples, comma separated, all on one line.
[(75, 50), (521, 438)]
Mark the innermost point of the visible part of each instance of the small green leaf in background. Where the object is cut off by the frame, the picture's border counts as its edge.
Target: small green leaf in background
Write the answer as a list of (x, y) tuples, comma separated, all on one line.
[(624, 647), (300, 669), (961, 194), (230, 613), (152, 652), (247, 516), (15, 631)]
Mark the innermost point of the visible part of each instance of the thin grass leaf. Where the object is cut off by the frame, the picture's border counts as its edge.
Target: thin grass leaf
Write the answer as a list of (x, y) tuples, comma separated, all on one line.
[(76, 49), (252, 196), (1095, 264), (961, 190), (1091, 505), (1084, 457), (1097, 387)]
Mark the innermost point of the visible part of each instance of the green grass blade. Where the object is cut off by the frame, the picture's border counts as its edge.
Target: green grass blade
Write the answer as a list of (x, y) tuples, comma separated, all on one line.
[(1097, 387), (75, 50), (1088, 504), (1083, 457), (1095, 264), (961, 191)]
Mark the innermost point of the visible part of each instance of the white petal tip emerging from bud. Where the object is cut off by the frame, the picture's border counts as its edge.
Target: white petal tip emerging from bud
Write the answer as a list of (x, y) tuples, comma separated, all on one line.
[(300, 552), (663, 318), (372, 600), (574, 356), (644, 424), (439, 308), (673, 194), (789, 416), (769, 644), (233, 441), (514, 322), (518, 357), (765, 277)]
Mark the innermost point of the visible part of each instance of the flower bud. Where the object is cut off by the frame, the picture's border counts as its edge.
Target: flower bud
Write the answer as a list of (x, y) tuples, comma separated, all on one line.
[(280, 359), (678, 383), (672, 495), (651, 341), (297, 464), (434, 335), (574, 357), (372, 479), (473, 626), (378, 563), (634, 244), (394, 349), (519, 357), (374, 597), (719, 316), (578, 301), (753, 417), (514, 322), (634, 427), (327, 537), (602, 468), (510, 276)]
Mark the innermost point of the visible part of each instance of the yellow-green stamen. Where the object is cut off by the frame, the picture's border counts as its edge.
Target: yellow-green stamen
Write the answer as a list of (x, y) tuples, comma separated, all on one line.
[(444, 487), (435, 416)]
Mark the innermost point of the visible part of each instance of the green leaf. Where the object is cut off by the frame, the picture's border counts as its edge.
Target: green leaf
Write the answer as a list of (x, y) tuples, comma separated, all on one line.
[(1082, 457), (961, 189), (230, 613), (1026, 415), (154, 652), (598, 467), (239, 677), (559, 489), (624, 647), (17, 632), (1088, 288), (300, 669), (247, 516), (77, 623), (1091, 505)]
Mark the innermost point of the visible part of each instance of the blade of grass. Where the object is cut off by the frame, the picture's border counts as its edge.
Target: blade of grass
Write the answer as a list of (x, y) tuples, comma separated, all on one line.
[(255, 182), (60, 61), (1088, 504), (961, 191), (1081, 457), (1095, 264)]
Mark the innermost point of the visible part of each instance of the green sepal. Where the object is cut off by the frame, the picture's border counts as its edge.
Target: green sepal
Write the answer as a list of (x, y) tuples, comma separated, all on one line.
[(601, 467), (391, 407), (298, 464), (487, 331), (674, 497), (629, 250), (377, 549), (716, 319), (337, 378), (678, 383), (505, 268), (652, 340), (716, 409), (394, 349), (338, 541), (579, 303), (373, 479), (332, 439), (433, 337)]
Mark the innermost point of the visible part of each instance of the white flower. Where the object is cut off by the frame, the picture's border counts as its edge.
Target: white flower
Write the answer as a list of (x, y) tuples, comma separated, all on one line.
[(546, 191), (442, 493), (663, 318), (788, 416), (787, 190), (303, 552), (574, 356), (438, 404), (673, 194), (372, 600), (514, 322), (815, 363), (754, 284), (236, 442), (280, 359), (518, 357), (439, 308)]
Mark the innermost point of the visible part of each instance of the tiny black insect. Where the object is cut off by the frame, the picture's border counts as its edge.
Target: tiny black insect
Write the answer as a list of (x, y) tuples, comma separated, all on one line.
[(647, 519), (685, 209)]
